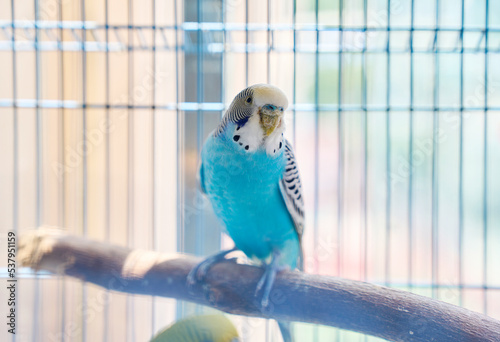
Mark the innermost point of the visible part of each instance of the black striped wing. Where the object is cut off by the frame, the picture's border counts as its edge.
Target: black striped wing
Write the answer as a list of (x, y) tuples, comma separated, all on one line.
[(291, 189)]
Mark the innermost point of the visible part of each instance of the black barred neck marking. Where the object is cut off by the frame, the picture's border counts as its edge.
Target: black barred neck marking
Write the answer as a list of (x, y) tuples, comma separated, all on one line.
[(239, 111)]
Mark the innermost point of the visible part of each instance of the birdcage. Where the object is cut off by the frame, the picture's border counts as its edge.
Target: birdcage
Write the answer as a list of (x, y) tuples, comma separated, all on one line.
[(394, 118)]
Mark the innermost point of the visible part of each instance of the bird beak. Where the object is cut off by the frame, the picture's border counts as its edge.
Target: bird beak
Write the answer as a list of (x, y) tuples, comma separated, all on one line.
[(270, 118)]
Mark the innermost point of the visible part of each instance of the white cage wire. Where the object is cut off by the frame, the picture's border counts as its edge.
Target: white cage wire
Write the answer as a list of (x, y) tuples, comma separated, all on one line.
[(394, 116)]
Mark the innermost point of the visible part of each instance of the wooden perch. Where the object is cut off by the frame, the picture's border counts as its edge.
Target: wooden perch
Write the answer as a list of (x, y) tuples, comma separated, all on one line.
[(387, 313)]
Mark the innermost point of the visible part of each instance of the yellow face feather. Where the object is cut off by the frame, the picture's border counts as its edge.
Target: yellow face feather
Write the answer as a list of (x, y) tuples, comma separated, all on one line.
[(266, 95), (269, 121)]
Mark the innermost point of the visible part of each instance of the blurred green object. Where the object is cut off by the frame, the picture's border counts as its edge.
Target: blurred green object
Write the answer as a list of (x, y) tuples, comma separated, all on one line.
[(203, 328)]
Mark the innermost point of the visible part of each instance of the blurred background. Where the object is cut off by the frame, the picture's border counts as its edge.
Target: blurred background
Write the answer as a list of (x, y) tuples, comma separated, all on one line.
[(394, 115)]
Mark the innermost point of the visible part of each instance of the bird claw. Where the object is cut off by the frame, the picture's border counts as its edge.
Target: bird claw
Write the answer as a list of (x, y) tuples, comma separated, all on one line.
[(261, 282), (199, 272)]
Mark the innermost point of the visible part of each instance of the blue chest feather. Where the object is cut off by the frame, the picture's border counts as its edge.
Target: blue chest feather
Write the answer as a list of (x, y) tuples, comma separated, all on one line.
[(244, 191)]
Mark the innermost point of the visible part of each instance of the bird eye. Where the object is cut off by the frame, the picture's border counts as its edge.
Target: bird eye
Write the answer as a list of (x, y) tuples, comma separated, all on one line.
[(281, 108), (249, 100)]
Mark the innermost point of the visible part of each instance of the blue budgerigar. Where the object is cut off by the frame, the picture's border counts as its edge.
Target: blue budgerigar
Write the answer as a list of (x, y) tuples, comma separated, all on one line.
[(249, 173)]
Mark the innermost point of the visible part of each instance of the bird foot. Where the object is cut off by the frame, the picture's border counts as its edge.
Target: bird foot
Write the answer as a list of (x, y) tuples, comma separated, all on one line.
[(199, 272), (266, 282)]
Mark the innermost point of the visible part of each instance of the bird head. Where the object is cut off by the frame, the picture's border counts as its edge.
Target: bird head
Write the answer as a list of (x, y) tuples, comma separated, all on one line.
[(203, 328), (255, 118)]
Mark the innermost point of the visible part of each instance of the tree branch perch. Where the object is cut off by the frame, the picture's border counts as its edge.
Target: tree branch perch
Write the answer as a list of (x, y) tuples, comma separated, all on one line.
[(387, 313)]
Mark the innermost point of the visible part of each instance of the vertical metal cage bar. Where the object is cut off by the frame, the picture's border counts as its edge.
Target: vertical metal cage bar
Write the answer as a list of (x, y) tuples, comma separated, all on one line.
[(410, 154), (39, 119), (461, 166), (179, 156), (364, 177), (199, 118), (340, 142), (154, 235), (247, 15), (108, 147), (340, 161), (485, 165), (38, 161), (130, 160), (387, 254), (269, 41), (107, 154), (435, 165), (316, 137), (84, 164), (179, 149), (15, 194), (15, 161), (316, 148), (60, 55), (223, 58), (62, 159)]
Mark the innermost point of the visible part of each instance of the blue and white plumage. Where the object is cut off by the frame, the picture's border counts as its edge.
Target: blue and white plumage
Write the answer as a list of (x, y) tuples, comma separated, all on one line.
[(249, 173)]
